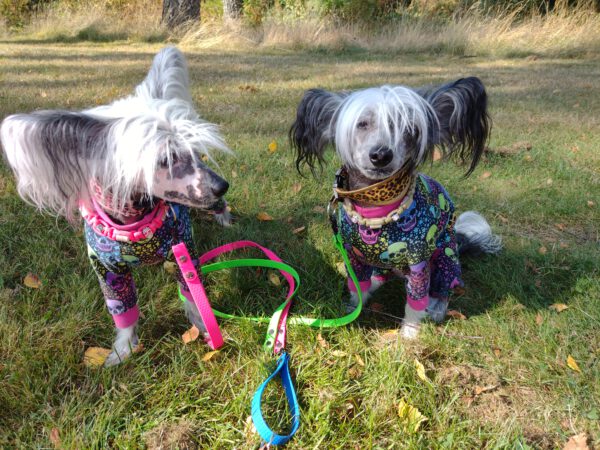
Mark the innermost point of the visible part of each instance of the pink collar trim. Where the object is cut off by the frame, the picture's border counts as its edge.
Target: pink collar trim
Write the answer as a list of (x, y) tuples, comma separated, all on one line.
[(144, 228), (373, 212)]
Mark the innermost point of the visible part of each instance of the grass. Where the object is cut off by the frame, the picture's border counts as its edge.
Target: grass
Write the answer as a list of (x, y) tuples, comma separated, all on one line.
[(542, 170)]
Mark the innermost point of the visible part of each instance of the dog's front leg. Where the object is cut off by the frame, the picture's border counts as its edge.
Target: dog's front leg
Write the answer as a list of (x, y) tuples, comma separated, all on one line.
[(124, 344), (417, 293), (363, 274)]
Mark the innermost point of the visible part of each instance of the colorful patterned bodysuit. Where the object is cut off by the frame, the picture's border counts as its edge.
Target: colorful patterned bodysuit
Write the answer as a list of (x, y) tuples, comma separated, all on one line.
[(421, 244), (112, 260)]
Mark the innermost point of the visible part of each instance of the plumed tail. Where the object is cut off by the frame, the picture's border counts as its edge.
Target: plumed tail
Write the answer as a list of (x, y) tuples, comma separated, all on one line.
[(474, 235)]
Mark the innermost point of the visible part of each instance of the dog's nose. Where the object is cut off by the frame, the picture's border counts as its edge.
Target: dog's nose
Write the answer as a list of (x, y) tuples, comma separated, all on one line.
[(219, 187), (381, 156)]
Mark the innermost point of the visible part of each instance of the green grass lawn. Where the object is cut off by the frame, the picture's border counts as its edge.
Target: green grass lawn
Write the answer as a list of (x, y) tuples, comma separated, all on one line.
[(499, 379)]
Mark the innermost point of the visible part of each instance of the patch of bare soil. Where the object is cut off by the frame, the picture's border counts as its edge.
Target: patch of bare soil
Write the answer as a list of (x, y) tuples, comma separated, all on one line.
[(171, 436)]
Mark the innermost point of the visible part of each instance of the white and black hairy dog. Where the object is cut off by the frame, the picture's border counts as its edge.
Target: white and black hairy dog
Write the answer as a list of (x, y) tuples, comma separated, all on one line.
[(393, 219), (132, 169)]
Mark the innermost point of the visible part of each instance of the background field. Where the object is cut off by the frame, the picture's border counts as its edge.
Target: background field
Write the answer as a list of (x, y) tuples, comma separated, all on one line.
[(499, 379)]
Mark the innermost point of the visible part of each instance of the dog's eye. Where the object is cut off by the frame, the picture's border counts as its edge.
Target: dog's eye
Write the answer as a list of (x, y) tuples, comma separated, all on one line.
[(362, 125), (164, 162)]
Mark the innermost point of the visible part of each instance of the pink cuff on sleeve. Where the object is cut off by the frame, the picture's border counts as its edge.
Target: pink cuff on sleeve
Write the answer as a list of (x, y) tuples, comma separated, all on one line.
[(364, 285), (128, 318)]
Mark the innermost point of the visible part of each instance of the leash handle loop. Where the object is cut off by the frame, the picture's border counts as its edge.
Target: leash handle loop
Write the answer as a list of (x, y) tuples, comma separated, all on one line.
[(268, 435), (194, 284)]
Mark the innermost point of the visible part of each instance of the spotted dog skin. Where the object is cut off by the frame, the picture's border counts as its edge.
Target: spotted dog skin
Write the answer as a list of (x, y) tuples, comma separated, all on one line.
[(421, 244)]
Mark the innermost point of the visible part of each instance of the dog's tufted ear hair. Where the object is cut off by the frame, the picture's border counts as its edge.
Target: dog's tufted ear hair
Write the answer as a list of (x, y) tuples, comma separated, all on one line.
[(464, 124), (168, 77), (313, 129), (48, 152)]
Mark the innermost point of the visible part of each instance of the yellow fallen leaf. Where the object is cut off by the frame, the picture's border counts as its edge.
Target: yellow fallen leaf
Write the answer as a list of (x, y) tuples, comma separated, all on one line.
[(204, 158), (296, 187), (421, 371), (485, 175), (263, 216), (573, 364), (274, 279), (298, 230), (456, 314), (590, 203), (577, 442), (95, 356), (32, 281), (272, 147), (542, 250), (170, 267), (558, 307), (410, 417), (209, 355), (233, 174), (339, 353), (190, 335), (359, 360), (341, 268)]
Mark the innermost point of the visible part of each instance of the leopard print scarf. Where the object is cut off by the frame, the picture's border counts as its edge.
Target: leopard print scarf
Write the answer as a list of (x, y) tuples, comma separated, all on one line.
[(383, 192)]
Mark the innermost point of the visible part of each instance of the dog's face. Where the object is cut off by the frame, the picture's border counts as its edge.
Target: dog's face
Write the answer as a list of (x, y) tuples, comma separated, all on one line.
[(378, 131), (188, 181), (151, 143)]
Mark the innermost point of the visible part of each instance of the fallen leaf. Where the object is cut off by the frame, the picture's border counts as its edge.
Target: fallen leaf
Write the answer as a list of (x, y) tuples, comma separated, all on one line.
[(528, 158), (248, 88), (263, 216), (204, 158), (249, 428), (437, 155), (170, 267), (485, 175), (459, 290), (296, 187), (390, 335), (539, 319), (503, 219), (43, 94), (560, 226), (32, 281), (233, 174), (421, 371), (573, 364), (456, 314), (577, 442), (298, 230), (272, 147), (410, 417), (321, 340), (590, 203), (55, 437), (563, 245), (480, 390), (558, 307), (575, 148), (274, 279), (359, 360), (542, 250), (95, 356), (318, 209), (190, 335), (341, 268), (209, 355), (497, 352), (339, 353), (549, 182)]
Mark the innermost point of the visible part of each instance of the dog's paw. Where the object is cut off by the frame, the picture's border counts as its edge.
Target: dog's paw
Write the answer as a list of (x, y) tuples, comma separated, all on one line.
[(410, 331), (124, 345), (352, 303), (224, 219), (437, 309)]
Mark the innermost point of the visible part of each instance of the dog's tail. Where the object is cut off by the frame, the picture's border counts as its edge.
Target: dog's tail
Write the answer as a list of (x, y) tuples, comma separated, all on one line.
[(474, 235)]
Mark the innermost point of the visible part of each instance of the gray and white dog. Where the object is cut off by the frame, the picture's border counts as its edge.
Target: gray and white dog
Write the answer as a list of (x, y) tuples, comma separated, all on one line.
[(378, 133), (132, 168)]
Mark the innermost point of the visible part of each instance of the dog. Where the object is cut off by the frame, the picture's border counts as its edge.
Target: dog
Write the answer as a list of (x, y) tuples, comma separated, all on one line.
[(132, 169), (393, 219)]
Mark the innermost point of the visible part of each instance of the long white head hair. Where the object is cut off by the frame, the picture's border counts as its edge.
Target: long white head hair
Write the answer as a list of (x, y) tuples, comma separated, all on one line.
[(122, 146), (377, 131)]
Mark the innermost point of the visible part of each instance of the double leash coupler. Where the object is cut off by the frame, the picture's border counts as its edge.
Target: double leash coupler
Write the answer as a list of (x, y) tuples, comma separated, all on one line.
[(277, 328)]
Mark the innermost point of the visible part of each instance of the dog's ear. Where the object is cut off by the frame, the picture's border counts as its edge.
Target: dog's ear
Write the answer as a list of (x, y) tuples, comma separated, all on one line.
[(464, 124), (313, 129), (48, 152), (168, 77)]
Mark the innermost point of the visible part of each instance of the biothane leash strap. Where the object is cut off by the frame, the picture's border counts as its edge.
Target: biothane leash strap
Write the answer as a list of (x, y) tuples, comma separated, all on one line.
[(276, 333)]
